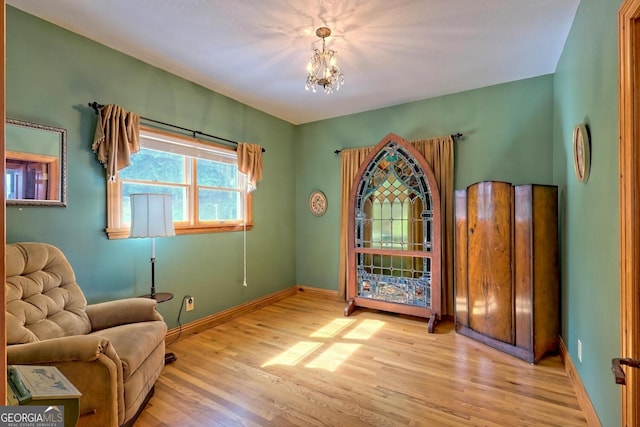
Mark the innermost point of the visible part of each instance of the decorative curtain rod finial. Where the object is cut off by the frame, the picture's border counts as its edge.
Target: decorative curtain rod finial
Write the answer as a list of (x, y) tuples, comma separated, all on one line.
[(96, 106)]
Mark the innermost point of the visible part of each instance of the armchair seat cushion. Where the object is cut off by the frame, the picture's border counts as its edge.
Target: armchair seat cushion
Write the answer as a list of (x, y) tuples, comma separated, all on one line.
[(134, 342)]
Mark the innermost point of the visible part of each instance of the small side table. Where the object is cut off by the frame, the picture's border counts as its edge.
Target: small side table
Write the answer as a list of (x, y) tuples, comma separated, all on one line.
[(160, 296), (163, 297), (30, 385)]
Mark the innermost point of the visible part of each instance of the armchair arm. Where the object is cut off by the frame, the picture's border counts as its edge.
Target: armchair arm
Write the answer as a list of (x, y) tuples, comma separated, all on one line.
[(92, 366), (121, 312), (77, 348)]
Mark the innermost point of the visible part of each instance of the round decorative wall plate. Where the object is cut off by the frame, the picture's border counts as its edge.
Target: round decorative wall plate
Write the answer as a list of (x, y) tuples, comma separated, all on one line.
[(581, 152), (318, 203)]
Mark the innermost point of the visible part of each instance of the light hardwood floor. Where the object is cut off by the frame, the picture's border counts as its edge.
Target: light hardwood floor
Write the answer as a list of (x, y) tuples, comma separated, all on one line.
[(300, 362)]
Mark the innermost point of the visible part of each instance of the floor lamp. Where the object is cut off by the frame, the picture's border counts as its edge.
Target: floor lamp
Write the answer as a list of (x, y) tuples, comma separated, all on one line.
[(151, 217)]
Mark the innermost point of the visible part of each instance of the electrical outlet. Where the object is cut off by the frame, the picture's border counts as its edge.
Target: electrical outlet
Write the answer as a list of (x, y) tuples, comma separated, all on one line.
[(190, 303), (580, 351)]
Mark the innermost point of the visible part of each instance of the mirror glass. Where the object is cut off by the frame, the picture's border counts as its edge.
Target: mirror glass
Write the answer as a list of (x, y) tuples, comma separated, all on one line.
[(35, 169)]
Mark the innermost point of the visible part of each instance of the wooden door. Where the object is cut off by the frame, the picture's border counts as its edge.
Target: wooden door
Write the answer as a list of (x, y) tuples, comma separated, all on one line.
[(490, 284), (629, 155)]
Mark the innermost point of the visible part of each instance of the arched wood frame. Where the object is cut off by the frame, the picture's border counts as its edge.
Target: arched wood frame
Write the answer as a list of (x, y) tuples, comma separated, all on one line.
[(433, 311), (629, 164)]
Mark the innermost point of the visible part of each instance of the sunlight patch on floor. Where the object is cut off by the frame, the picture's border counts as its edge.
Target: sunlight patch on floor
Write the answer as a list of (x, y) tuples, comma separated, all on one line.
[(364, 330), (333, 328), (333, 357), (295, 354), (330, 358)]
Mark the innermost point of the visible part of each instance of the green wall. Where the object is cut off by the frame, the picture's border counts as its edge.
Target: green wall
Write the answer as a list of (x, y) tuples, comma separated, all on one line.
[(51, 76), (507, 136), (586, 91)]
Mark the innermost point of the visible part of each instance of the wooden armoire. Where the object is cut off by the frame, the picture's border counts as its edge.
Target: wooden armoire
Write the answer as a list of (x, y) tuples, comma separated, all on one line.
[(507, 292)]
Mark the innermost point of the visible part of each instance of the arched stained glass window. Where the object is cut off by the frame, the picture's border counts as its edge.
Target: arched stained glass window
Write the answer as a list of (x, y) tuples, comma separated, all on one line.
[(395, 229)]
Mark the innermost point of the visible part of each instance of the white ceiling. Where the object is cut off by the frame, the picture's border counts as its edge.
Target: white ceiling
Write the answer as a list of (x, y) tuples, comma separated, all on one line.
[(391, 52)]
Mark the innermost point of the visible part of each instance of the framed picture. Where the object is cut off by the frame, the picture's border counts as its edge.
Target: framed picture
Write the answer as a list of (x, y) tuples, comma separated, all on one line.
[(581, 152)]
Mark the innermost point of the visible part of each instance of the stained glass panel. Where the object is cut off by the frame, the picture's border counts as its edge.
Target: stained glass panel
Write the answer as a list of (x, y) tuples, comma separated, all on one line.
[(394, 213)]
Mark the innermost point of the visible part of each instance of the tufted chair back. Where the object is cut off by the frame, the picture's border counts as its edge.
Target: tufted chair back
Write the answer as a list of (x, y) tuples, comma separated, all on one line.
[(43, 300)]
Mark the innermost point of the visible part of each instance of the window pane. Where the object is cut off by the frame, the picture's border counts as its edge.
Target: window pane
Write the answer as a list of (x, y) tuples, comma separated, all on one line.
[(217, 205), (178, 199), (152, 165), (216, 174), (206, 188)]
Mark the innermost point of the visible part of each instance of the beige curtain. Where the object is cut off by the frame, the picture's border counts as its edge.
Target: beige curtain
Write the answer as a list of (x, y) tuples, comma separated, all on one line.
[(438, 152), (117, 136), (350, 159), (250, 163)]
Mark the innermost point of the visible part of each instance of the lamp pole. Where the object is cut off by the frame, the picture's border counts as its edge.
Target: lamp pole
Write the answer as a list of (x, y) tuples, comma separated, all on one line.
[(153, 267)]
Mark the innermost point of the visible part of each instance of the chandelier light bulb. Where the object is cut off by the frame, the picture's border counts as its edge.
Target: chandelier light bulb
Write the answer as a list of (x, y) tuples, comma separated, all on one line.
[(323, 69)]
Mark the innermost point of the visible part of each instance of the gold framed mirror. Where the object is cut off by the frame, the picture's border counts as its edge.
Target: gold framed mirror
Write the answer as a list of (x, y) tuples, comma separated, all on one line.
[(35, 164)]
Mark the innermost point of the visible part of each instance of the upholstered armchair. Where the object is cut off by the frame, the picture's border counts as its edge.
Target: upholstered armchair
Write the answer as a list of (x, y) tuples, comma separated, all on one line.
[(112, 352)]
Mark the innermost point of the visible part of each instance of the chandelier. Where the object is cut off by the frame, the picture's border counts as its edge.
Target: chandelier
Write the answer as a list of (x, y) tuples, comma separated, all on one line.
[(322, 68)]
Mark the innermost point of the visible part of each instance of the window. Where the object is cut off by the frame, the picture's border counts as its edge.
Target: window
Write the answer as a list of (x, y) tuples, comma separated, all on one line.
[(208, 191)]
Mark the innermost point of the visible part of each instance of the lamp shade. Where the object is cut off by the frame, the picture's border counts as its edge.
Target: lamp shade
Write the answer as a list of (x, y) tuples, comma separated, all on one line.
[(151, 215)]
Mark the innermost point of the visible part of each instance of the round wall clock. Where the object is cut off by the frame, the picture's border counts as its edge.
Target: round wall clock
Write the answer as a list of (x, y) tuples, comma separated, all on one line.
[(318, 203), (581, 152)]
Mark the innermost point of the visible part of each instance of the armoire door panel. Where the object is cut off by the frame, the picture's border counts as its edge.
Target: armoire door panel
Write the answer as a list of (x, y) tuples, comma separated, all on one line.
[(546, 269), (489, 260), (460, 245), (523, 266)]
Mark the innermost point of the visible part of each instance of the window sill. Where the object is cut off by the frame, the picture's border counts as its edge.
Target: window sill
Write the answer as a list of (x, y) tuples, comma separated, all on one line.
[(123, 233)]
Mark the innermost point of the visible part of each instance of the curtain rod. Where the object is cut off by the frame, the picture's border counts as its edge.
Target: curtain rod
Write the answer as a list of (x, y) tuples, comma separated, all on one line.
[(97, 107), (454, 136)]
